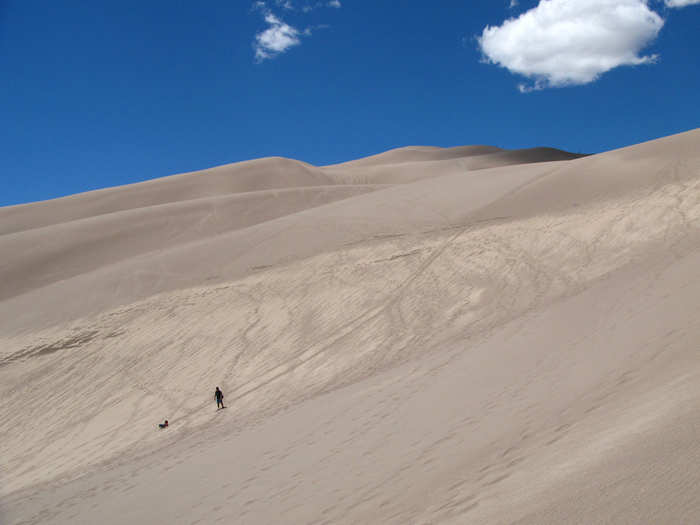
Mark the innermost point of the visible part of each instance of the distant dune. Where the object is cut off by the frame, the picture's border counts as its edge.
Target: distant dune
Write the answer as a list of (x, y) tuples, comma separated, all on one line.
[(428, 335), (63, 241)]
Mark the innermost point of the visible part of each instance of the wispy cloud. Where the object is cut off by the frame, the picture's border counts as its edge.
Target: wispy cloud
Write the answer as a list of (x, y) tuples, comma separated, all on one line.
[(681, 3), (316, 5), (285, 4), (569, 42)]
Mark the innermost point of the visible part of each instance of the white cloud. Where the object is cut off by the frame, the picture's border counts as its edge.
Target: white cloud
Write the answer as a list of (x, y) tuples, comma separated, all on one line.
[(681, 3), (513, 4), (568, 42), (276, 39), (280, 36)]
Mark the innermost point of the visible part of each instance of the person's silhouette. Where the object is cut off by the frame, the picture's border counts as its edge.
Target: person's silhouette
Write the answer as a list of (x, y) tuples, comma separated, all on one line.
[(219, 395)]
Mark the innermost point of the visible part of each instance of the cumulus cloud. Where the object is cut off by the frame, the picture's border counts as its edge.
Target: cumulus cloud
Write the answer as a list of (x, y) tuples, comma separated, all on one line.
[(681, 3), (570, 42), (336, 3), (276, 39)]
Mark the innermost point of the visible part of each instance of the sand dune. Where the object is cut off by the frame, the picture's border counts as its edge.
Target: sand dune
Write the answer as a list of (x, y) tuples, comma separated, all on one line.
[(463, 335), (41, 256), (242, 177), (255, 175), (484, 156), (161, 229), (409, 154)]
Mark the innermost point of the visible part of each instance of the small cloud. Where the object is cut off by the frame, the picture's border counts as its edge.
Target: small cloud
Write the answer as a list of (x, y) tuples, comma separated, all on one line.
[(524, 88), (279, 36), (572, 42), (513, 4), (681, 3), (276, 39), (310, 30)]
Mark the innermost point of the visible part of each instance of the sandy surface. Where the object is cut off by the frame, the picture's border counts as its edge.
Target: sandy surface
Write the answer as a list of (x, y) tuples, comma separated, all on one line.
[(463, 335)]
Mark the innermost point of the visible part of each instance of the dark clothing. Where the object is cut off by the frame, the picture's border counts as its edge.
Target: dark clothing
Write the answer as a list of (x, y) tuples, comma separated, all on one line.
[(219, 398)]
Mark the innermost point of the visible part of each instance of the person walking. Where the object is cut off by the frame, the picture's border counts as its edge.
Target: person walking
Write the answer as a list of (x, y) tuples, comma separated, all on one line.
[(219, 395)]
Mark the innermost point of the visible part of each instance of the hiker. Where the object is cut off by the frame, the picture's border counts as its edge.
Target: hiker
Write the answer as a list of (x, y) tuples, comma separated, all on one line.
[(219, 395), (163, 425)]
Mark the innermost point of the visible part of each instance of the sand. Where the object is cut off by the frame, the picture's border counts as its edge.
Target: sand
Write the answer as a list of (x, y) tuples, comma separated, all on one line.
[(462, 335)]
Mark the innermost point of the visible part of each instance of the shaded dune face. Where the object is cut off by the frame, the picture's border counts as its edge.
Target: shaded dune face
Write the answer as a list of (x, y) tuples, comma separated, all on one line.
[(486, 156), (466, 334)]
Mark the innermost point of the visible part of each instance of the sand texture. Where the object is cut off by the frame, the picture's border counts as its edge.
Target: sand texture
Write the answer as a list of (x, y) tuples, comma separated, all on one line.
[(425, 336)]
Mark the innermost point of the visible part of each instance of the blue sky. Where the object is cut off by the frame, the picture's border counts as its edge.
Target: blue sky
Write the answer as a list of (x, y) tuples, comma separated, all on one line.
[(97, 94)]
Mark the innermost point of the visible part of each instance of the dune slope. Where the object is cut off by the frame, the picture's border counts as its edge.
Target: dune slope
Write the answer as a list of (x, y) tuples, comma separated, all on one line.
[(511, 343)]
